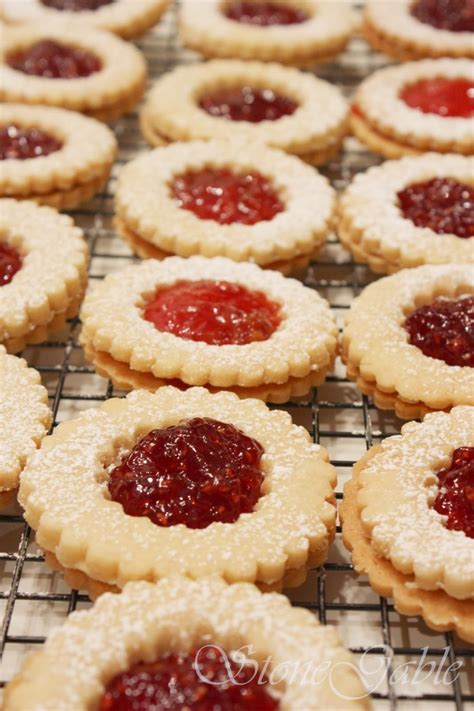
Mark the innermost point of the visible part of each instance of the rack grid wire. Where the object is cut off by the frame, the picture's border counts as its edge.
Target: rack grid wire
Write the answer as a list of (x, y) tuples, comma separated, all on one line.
[(404, 664)]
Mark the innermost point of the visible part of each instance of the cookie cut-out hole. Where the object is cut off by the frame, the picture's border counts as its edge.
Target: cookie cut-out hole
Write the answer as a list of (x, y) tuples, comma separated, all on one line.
[(52, 60), (246, 103), (265, 14), (24, 143), (76, 5), (451, 15), (441, 96), (10, 263), (455, 498)]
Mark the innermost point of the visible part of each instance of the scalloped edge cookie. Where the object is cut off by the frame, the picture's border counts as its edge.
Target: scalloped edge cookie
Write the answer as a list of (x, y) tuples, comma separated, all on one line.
[(173, 616), (381, 120), (390, 28), (298, 353), (378, 356), (24, 419), (149, 218), (204, 28), (105, 95), (290, 529), (126, 18), (65, 178), (439, 611), (171, 112), (372, 227), (50, 285)]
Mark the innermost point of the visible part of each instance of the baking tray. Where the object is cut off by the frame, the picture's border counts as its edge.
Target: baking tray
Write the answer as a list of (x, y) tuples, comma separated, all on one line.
[(406, 665)]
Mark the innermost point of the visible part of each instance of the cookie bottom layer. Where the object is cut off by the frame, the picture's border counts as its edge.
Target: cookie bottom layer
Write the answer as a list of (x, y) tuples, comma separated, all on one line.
[(147, 250), (313, 157), (68, 199), (123, 106), (39, 334), (124, 378), (293, 577), (440, 611), (404, 52)]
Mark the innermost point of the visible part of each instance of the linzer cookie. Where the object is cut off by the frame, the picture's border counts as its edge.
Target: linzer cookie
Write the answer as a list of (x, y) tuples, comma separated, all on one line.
[(410, 212), (209, 322), (24, 419), (53, 156), (251, 101), (133, 489), (87, 70), (408, 519), (408, 30), (126, 18), (160, 644), (294, 32), (417, 107), (409, 340), (43, 272), (226, 198)]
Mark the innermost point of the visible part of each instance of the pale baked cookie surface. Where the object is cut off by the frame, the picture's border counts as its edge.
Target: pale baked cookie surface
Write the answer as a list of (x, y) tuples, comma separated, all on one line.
[(49, 284), (127, 18), (393, 28), (379, 356), (408, 549), (387, 124), (178, 615), (116, 336), (320, 32), (375, 228), (149, 214), (24, 418), (76, 168), (313, 131), (114, 85), (101, 547)]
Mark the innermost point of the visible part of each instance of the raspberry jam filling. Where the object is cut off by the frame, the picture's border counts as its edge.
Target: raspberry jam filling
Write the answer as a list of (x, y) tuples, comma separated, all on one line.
[(455, 498), (194, 473), (216, 312), (204, 679), (22, 143), (53, 60), (247, 104), (227, 197), (10, 263), (452, 15), (444, 205), (445, 97), (264, 14), (76, 5), (444, 330)]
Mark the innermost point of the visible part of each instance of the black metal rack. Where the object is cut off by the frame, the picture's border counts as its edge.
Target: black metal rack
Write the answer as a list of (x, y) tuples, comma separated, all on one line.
[(33, 599)]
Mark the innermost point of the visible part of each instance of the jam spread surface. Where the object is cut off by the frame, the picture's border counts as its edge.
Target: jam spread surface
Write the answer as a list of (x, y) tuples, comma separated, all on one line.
[(444, 205), (455, 498), (445, 97), (264, 14), (23, 143), (444, 330), (247, 104), (76, 5), (52, 60), (227, 197), (10, 263), (196, 472), (452, 15), (215, 312), (204, 679)]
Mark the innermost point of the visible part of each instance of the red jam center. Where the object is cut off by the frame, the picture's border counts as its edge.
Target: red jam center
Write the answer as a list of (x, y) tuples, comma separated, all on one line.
[(444, 330), (445, 97), (205, 679), (455, 498), (264, 14), (76, 5), (226, 197), (442, 204), (247, 104), (10, 263), (22, 143), (194, 473), (452, 15), (52, 60), (216, 312)]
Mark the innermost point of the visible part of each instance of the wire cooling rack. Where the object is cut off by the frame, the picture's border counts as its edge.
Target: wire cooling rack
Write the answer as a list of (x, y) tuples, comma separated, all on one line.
[(404, 664)]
